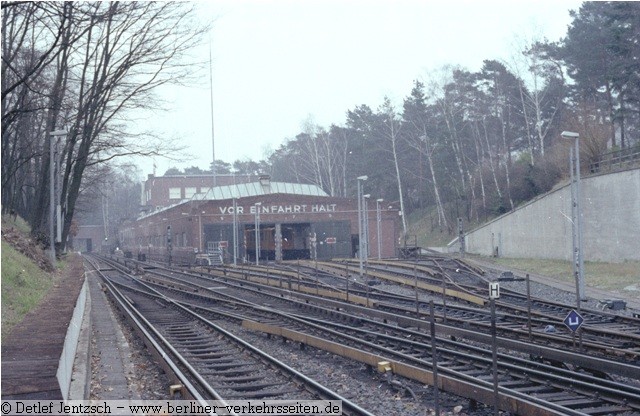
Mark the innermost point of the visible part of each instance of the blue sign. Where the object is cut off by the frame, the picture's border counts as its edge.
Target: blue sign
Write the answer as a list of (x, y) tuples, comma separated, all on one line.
[(573, 321)]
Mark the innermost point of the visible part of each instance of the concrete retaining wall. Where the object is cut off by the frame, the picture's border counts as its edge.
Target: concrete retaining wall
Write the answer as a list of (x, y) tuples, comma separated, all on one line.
[(542, 227), (65, 365)]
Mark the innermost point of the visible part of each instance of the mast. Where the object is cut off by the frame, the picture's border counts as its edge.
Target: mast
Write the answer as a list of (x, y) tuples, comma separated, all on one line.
[(213, 142)]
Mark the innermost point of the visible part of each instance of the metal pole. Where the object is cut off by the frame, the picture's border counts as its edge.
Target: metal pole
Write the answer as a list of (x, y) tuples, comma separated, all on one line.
[(581, 282), (257, 225), (574, 235), (52, 247), (366, 227), (434, 359), (347, 268), (360, 226), (316, 273), (53, 198), (200, 231), (461, 237), (444, 298), (378, 220), (529, 305), (169, 243), (415, 286), (235, 232), (494, 359), (57, 192), (213, 140), (367, 283)]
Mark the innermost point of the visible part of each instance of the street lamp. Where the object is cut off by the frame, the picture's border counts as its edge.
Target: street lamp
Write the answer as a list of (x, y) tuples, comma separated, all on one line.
[(54, 199), (576, 214), (200, 232), (366, 226), (257, 224), (360, 220), (235, 231), (378, 220)]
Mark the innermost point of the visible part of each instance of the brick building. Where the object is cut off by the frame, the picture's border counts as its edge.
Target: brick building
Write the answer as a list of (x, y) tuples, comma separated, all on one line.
[(162, 191), (90, 238), (270, 220)]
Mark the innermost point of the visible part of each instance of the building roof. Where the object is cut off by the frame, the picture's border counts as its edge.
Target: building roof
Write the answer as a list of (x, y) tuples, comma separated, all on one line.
[(243, 190)]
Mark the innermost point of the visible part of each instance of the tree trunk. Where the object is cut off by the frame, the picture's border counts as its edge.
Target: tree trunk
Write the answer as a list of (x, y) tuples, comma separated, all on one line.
[(39, 215), (442, 218), (490, 153)]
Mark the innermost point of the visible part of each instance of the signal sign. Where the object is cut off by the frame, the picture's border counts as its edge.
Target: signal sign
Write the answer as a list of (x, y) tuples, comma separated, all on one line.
[(573, 321), (494, 290)]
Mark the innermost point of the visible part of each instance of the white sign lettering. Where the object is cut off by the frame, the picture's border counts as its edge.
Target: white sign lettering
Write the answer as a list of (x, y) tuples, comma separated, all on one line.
[(281, 209)]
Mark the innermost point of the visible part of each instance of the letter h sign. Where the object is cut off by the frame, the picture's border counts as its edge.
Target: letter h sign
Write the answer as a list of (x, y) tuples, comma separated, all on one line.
[(494, 290)]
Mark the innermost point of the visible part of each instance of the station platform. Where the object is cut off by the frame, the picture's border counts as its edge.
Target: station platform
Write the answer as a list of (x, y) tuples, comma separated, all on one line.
[(49, 355), (32, 352)]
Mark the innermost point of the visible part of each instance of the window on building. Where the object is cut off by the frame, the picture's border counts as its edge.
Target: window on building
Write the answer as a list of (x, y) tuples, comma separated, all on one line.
[(174, 193), (189, 192)]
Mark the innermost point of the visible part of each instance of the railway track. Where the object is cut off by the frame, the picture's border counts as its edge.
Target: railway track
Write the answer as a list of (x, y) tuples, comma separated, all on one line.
[(602, 333), (459, 321), (210, 362), (519, 378)]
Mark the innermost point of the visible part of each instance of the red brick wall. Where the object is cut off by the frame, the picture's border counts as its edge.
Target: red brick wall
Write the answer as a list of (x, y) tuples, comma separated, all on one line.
[(95, 233), (156, 188), (188, 218)]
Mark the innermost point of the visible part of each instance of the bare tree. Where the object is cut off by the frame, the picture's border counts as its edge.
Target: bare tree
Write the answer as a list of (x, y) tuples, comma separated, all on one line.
[(416, 116), (541, 82), (312, 149), (32, 35), (391, 133), (322, 158), (110, 57)]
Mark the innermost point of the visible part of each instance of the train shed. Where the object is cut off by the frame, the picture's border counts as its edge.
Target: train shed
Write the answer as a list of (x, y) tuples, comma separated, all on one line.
[(294, 221)]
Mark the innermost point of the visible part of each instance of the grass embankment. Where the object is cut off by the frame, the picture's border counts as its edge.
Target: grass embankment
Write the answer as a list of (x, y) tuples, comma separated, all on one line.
[(423, 226), (24, 284), (608, 276)]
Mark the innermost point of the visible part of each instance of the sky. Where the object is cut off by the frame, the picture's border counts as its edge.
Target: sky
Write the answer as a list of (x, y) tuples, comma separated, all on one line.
[(276, 64)]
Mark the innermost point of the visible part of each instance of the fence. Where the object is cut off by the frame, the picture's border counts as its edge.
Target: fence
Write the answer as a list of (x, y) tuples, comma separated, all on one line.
[(617, 160)]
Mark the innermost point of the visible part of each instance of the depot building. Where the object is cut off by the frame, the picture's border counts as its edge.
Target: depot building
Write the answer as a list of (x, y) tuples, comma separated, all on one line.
[(270, 220)]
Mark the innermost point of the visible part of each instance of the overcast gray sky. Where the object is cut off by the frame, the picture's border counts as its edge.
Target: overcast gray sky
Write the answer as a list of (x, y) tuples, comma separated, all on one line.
[(278, 62)]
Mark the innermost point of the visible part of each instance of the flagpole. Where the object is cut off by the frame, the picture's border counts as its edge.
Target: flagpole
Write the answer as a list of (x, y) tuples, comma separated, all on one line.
[(213, 142)]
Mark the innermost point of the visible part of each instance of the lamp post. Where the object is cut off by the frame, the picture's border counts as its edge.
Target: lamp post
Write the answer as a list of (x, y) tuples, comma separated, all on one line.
[(200, 232), (576, 225), (54, 201), (360, 220), (235, 232), (378, 220), (365, 201), (257, 224), (169, 243)]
